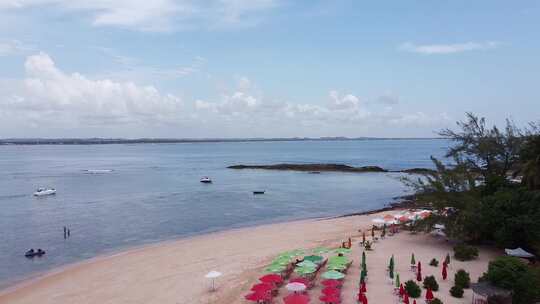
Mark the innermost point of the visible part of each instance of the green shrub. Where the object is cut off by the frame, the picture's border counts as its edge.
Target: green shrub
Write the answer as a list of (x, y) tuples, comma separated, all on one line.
[(456, 291), (413, 290), (464, 252), (430, 282), (436, 301), (511, 273), (434, 262), (462, 279)]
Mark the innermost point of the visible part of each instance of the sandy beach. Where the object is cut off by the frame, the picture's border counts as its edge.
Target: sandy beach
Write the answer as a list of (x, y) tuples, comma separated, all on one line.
[(173, 272)]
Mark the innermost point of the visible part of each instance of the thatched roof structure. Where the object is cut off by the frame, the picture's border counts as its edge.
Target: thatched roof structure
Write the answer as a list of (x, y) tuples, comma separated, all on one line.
[(486, 289)]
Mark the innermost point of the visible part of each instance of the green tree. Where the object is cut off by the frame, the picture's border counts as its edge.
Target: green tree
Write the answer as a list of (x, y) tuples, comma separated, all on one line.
[(530, 161), (491, 152), (513, 274)]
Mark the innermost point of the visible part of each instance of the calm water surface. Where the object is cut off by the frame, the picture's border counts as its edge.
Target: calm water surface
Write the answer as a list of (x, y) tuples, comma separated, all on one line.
[(154, 192)]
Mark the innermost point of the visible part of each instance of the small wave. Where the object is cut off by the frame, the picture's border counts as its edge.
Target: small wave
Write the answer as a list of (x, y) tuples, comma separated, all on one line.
[(12, 196)]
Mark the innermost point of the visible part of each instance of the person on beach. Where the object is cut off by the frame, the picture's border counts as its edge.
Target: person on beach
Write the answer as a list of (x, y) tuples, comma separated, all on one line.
[(65, 232), (68, 233)]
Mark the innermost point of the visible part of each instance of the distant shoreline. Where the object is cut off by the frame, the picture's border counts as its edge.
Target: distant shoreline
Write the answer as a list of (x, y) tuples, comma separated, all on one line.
[(109, 141)]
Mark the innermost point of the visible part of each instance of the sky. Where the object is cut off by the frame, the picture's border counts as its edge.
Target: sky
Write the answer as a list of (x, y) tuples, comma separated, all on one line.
[(264, 68)]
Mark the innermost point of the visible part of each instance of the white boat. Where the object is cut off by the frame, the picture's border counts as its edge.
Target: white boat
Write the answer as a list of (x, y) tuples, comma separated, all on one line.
[(45, 191), (206, 180), (98, 171)]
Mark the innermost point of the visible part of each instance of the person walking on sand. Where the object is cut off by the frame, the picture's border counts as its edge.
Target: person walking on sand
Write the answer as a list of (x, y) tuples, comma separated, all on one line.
[(69, 233), (65, 232)]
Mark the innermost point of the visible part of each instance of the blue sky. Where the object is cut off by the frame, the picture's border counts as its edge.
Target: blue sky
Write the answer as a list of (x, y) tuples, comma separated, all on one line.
[(263, 68)]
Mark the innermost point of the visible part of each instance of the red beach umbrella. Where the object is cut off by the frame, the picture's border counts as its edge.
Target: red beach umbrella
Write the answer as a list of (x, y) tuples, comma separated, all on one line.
[(271, 279), (405, 298), (262, 287), (330, 299), (363, 287), (300, 280), (444, 272), (401, 290), (364, 300), (331, 283), (296, 298), (429, 295), (361, 296), (419, 266), (419, 272), (330, 291), (257, 296), (414, 302)]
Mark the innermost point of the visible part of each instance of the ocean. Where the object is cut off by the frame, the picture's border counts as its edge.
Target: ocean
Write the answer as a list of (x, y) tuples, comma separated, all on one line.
[(153, 192)]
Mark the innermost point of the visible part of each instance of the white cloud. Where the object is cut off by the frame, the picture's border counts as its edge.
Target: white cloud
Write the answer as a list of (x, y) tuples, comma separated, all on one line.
[(13, 47), (348, 101), (156, 15), (238, 102), (49, 92), (431, 49)]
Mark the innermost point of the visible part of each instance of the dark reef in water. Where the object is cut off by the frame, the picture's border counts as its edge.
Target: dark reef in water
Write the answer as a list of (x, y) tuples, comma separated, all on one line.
[(329, 168)]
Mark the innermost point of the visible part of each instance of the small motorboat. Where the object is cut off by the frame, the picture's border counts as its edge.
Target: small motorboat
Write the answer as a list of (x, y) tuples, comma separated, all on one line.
[(206, 180), (33, 253), (315, 172), (45, 191), (258, 192), (98, 171)]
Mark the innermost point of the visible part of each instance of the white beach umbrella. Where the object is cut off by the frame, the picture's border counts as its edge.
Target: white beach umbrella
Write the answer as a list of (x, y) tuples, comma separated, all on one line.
[(378, 221), (213, 275), (295, 287)]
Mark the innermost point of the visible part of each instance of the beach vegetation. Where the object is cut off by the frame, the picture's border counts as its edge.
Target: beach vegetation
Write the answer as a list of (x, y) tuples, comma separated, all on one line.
[(513, 274), (465, 252), (436, 301), (456, 291), (431, 283), (413, 290), (462, 279), (434, 262), (475, 191)]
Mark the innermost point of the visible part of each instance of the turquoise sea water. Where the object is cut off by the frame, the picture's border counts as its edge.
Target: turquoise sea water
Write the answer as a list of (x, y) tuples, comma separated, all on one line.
[(154, 192)]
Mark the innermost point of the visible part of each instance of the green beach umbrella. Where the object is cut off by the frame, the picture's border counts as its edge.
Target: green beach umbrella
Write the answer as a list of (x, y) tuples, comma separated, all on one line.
[(336, 267), (275, 268), (321, 250), (364, 269), (447, 259), (333, 275), (362, 277), (304, 270), (307, 263), (391, 273), (363, 258), (338, 260), (397, 280), (342, 250), (313, 258), (281, 260), (280, 263), (413, 260)]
